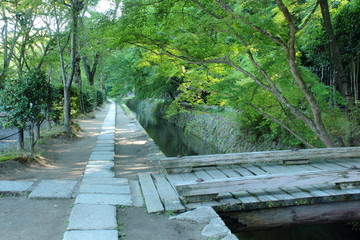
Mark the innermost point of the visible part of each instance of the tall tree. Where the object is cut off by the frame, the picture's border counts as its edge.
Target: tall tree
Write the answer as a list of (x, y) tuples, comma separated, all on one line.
[(252, 37), (75, 7), (341, 82)]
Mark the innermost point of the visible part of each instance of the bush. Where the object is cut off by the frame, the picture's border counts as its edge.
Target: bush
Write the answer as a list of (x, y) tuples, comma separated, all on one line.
[(57, 110), (100, 97), (89, 99)]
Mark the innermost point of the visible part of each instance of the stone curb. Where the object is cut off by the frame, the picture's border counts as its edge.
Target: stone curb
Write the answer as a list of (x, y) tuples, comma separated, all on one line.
[(215, 227)]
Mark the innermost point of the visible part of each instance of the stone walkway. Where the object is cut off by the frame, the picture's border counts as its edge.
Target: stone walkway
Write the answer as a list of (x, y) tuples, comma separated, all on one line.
[(93, 216)]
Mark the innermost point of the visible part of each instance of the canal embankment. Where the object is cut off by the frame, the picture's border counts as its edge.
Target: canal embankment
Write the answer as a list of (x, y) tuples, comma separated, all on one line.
[(219, 128)]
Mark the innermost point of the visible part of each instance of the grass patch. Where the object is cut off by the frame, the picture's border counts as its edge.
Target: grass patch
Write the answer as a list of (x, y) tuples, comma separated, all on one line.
[(4, 158), (53, 132)]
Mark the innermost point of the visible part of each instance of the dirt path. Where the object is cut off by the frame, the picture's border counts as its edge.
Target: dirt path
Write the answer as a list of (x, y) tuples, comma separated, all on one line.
[(22, 218)]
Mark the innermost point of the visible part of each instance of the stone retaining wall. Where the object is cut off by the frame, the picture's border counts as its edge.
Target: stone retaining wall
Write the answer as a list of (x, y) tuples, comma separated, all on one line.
[(224, 134)]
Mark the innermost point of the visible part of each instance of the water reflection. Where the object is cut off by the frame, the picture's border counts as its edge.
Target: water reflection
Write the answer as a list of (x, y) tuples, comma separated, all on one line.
[(171, 140)]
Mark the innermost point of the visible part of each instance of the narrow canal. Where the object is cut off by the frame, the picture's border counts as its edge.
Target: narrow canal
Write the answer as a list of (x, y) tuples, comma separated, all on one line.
[(172, 141)]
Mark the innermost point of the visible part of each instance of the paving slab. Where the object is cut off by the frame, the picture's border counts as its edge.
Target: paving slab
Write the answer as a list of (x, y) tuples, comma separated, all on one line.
[(102, 157), (104, 148), (54, 189), (91, 235), (108, 145), (102, 153), (111, 189), (106, 137), (92, 217), (102, 141), (14, 186), (97, 198), (108, 128), (136, 195), (106, 131), (105, 181), (100, 164), (98, 172)]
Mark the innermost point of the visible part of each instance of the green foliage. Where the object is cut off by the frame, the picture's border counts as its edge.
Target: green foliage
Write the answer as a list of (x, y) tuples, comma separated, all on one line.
[(57, 110), (346, 22), (24, 100), (100, 97), (89, 99)]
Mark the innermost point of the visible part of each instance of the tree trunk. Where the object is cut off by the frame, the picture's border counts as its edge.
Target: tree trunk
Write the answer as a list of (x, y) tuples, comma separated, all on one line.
[(91, 71), (20, 141), (37, 130), (341, 82), (76, 7), (32, 138), (316, 124), (67, 118)]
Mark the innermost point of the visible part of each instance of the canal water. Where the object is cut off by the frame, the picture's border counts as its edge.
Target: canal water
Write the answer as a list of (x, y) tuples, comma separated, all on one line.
[(172, 141)]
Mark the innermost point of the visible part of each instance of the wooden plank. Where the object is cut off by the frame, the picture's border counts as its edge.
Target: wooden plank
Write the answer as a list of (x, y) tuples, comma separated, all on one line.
[(348, 164), (273, 170), (290, 168), (247, 201), (255, 169), (190, 177), (152, 199), (256, 157), (283, 198), (201, 174), (167, 194), (229, 172), (296, 192), (327, 166), (262, 195), (174, 179), (215, 173), (242, 171), (313, 191), (308, 167), (267, 181)]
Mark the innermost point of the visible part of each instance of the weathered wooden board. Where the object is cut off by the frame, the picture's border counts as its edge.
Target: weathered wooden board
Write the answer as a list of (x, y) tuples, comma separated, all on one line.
[(229, 172), (151, 196), (262, 195), (167, 194), (267, 181), (215, 173), (256, 157), (201, 174), (242, 171), (248, 201), (349, 164), (174, 179), (254, 169)]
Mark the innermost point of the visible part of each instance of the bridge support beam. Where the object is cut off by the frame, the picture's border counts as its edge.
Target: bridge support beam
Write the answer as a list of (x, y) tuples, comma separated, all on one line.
[(295, 215)]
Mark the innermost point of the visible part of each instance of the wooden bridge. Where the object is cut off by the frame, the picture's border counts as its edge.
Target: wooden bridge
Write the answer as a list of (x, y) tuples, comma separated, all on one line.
[(307, 185)]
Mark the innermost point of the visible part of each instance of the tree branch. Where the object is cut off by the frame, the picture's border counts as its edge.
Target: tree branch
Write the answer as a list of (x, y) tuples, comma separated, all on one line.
[(269, 35), (282, 125), (308, 17)]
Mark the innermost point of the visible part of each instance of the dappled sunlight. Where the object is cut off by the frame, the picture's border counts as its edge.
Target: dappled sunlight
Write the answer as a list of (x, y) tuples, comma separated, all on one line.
[(138, 142)]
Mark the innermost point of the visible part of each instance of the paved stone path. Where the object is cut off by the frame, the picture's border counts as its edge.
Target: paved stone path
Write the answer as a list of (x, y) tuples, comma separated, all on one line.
[(93, 216), (94, 213)]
